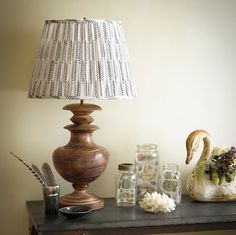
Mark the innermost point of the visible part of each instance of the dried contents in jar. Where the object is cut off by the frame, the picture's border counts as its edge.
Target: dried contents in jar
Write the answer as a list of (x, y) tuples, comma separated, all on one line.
[(126, 185), (170, 182), (146, 169)]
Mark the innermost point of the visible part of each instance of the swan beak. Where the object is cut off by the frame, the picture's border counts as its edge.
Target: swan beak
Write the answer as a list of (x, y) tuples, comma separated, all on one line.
[(189, 157)]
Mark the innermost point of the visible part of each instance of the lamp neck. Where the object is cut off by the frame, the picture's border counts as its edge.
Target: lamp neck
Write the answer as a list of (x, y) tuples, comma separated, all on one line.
[(79, 138), (81, 129)]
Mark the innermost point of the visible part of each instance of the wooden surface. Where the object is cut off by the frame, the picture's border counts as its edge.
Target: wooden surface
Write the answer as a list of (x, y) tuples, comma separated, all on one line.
[(188, 216)]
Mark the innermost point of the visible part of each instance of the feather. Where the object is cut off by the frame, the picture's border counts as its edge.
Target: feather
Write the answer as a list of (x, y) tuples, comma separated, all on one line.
[(36, 169), (48, 175), (31, 169)]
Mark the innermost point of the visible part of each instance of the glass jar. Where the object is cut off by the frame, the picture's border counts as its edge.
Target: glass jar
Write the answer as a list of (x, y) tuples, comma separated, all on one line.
[(170, 181), (146, 169), (126, 185)]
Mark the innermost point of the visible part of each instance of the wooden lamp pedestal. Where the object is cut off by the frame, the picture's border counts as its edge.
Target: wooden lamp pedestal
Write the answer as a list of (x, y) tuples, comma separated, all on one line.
[(81, 161)]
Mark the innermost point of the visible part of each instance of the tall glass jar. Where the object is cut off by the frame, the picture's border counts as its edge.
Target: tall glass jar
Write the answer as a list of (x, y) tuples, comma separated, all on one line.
[(126, 185), (170, 181), (146, 169)]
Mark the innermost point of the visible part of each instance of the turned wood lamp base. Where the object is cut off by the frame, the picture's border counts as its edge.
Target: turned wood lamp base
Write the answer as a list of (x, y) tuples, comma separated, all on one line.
[(81, 161), (82, 198)]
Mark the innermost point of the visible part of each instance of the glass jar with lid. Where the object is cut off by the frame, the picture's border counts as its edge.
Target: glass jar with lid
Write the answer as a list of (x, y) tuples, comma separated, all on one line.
[(126, 185), (146, 169), (170, 181)]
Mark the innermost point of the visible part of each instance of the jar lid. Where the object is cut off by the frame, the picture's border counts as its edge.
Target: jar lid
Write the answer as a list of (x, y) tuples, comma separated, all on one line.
[(126, 167), (171, 166), (147, 146)]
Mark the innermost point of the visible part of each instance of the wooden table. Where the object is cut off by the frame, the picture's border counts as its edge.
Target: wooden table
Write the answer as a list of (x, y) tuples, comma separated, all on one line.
[(188, 216)]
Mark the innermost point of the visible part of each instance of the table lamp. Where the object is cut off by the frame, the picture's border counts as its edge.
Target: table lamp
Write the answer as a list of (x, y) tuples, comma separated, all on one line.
[(82, 59)]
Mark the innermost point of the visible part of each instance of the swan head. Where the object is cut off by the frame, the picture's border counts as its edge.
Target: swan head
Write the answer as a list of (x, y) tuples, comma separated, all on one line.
[(193, 141)]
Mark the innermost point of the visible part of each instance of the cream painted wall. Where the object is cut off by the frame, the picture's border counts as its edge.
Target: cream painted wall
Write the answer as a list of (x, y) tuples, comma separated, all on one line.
[(183, 55)]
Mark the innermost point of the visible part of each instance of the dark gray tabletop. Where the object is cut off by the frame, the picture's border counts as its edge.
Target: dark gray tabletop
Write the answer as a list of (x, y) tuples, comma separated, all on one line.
[(189, 213)]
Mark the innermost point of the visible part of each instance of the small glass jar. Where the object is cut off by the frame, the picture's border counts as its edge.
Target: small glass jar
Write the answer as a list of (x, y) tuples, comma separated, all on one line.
[(146, 169), (126, 185), (170, 181)]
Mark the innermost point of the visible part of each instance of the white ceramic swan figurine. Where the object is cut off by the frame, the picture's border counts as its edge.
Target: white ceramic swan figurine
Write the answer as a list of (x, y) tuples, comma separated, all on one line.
[(199, 185)]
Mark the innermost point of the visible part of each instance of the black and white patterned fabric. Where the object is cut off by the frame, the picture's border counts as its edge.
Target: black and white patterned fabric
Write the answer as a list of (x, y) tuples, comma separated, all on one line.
[(82, 59)]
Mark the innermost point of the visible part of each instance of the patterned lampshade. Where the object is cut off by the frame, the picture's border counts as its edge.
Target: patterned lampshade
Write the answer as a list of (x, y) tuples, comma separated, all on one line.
[(82, 59)]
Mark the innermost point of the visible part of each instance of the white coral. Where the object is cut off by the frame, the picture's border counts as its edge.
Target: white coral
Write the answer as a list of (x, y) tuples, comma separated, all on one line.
[(156, 202)]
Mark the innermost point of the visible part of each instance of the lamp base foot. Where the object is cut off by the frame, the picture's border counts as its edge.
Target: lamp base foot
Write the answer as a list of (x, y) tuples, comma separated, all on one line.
[(81, 198)]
